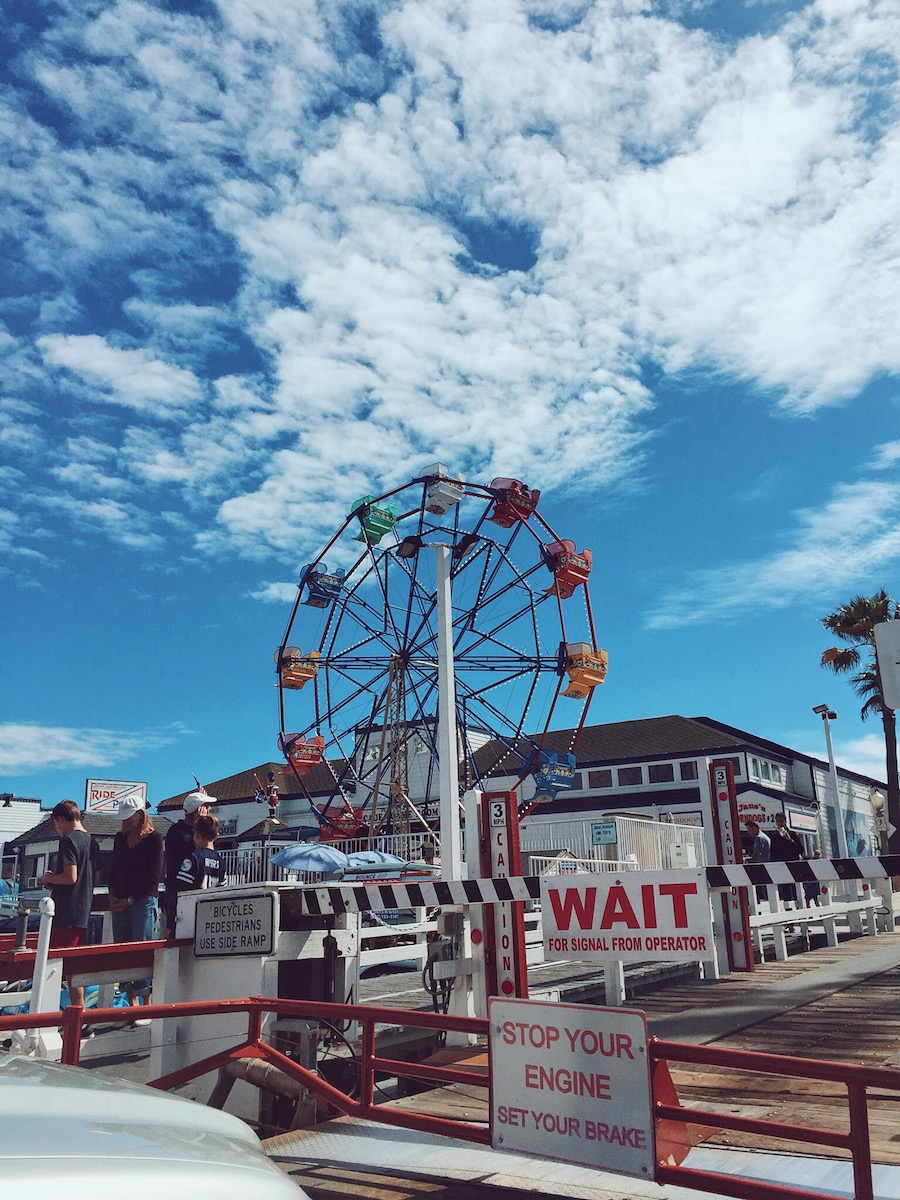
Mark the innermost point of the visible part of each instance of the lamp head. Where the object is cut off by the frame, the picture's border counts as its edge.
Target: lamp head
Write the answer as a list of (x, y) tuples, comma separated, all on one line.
[(877, 799), (409, 547)]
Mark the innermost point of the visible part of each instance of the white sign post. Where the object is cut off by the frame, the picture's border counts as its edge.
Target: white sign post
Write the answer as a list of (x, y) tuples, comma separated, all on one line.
[(572, 1082), (632, 917)]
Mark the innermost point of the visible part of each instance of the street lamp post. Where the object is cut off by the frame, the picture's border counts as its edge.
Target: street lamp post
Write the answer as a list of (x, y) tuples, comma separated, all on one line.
[(828, 715), (878, 800)]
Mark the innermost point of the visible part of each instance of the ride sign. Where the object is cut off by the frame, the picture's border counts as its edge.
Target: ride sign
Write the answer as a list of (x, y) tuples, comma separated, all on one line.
[(635, 916), (572, 1082)]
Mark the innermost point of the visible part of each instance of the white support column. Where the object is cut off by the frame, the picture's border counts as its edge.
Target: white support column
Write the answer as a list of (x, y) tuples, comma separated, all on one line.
[(45, 988), (448, 747)]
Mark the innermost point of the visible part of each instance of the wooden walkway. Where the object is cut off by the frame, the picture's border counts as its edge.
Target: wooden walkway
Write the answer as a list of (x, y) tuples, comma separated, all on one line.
[(857, 1022)]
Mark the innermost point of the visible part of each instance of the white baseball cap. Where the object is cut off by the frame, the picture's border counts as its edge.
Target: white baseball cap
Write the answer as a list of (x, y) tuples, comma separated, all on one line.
[(129, 806), (195, 800)]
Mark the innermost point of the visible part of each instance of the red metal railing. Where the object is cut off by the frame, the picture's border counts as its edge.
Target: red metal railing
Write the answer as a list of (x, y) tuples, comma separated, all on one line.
[(673, 1123), (73, 1019), (857, 1080)]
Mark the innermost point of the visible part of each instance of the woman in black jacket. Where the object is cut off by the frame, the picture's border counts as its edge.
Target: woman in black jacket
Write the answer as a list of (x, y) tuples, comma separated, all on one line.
[(134, 875)]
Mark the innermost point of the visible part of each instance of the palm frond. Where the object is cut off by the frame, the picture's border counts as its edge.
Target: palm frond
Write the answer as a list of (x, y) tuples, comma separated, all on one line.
[(841, 660)]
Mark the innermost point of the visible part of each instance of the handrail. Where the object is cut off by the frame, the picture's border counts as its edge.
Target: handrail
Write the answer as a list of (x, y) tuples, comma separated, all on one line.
[(672, 1147), (74, 1018), (857, 1079)]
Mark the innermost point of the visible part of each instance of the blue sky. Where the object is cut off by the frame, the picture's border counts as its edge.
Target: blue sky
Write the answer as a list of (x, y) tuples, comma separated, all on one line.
[(263, 260)]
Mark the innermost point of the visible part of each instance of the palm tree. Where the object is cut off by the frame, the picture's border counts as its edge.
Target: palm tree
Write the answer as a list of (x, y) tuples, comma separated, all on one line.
[(854, 623)]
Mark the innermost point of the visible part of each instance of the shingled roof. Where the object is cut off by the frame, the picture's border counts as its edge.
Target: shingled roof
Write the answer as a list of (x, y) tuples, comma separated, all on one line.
[(97, 824), (629, 741)]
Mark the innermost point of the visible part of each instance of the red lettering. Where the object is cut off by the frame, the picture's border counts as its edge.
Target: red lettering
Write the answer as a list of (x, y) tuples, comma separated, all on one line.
[(571, 903), (678, 893), (649, 901), (618, 909)]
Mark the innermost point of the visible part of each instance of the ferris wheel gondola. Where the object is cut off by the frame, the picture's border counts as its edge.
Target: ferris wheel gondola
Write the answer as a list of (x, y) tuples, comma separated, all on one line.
[(357, 669)]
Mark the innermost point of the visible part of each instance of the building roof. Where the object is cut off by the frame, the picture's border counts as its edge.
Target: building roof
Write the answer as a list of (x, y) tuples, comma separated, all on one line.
[(628, 741), (97, 824)]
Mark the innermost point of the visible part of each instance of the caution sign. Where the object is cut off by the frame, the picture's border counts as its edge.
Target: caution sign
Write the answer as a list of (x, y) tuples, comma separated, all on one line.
[(238, 925), (573, 1083), (635, 916)]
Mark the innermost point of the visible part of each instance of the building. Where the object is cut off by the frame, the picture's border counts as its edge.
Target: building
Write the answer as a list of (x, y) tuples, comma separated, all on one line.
[(17, 813), (33, 850), (657, 768)]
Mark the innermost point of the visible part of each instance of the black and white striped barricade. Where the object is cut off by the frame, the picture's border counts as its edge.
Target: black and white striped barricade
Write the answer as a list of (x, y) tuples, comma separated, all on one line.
[(343, 899), (867, 880)]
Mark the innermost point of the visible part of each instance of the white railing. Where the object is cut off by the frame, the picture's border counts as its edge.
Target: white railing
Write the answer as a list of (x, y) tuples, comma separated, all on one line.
[(253, 864), (657, 845), (567, 864)]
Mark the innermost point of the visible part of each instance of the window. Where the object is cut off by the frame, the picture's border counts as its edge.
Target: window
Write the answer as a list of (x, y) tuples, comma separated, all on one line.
[(578, 782), (630, 777), (776, 774), (735, 765), (765, 770), (600, 779), (754, 767), (661, 772), (688, 770)]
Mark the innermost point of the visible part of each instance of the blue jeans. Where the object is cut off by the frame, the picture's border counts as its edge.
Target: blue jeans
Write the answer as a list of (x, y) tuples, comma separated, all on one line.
[(136, 924)]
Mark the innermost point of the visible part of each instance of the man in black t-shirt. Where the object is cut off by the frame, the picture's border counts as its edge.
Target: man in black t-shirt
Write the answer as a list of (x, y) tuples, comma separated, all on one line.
[(786, 847), (72, 883)]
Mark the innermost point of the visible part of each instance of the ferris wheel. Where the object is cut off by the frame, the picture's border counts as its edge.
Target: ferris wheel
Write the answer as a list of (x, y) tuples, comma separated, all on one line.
[(436, 570)]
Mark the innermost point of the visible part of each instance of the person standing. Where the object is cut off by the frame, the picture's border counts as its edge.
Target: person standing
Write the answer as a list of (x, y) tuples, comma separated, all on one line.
[(179, 846), (785, 847), (71, 884), (204, 868), (134, 875), (761, 850)]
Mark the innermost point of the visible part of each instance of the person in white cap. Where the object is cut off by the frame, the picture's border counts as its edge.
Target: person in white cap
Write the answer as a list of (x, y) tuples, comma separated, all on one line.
[(134, 875), (179, 846)]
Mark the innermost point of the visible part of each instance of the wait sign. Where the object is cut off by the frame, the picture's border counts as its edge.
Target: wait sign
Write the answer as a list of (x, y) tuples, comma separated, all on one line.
[(634, 916), (572, 1082)]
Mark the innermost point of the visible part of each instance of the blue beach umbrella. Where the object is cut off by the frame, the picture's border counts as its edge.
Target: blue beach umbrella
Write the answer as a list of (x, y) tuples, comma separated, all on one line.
[(374, 858), (311, 856)]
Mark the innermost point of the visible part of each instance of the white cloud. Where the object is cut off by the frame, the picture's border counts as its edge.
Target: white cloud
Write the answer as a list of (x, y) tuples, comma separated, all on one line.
[(134, 378), (27, 747), (269, 181), (864, 754), (851, 538)]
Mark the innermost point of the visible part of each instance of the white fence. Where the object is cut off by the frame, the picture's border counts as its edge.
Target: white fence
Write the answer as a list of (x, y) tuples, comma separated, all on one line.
[(655, 845), (253, 864)]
